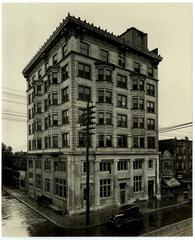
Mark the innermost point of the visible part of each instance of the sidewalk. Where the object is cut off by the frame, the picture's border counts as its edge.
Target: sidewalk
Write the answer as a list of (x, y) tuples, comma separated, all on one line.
[(97, 218)]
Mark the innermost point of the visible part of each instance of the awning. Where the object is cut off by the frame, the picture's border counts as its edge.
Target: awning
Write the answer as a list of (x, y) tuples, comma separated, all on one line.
[(172, 182)]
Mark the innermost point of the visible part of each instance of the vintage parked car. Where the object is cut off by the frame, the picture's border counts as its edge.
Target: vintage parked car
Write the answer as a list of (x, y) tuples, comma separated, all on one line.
[(132, 214)]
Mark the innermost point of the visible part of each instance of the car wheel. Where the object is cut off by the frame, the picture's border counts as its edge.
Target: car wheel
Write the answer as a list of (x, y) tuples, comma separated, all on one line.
[(118, 223)]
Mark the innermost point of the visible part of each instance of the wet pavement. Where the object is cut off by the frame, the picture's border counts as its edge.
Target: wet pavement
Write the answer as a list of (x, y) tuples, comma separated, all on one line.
[(21, 221)]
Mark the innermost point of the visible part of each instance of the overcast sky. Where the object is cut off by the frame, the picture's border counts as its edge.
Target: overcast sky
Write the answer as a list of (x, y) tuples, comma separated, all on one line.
[(26, 26)]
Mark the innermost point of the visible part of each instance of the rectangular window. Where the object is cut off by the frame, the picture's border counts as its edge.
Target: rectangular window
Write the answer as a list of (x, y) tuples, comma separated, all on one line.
[(39, 125), (141, 122), (100, 140), (108, 75), (81, 117), (101, 118), (108, 118), (39, 108), (150, 107), (150, 124), (137, 164), (105, 188), (55, 119), (84, 167), (121, 60), (135, 103), (104, 55), (29, 145), (135, 122), (39, 143), (30, 163), (54, 98), (38, 181), (141, 103), (47, 142), (121, 101), (47, 184), (138, 142), (135, 84), (55, 59), (60, 187), (136, 67), (150, 71), (84, 93), (141, 85), (122, 165), (64, 73), (64, 50), (122, 120), (38, 164), (84, 48), (150, 89), (105, 166), (39, 90), (65, 95), (54, 78), (46, 65), (84, 71), (29, 129), (122, 141), (47, 165), (151, 142), (65, 139), (108, 96), (150, 163), (101, 96), (108, 140), (121, 81), (60, 166), (137, 183), (39, 73), (101, 74), (83, 139), (45, 86), (55, 141)]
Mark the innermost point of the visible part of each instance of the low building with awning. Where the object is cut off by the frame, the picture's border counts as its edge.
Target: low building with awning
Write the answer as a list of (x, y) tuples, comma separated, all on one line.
[(172, 182)]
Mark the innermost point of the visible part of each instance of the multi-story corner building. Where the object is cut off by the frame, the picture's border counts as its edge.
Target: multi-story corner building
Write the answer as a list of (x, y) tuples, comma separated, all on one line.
[(176, 156), (119, 75)]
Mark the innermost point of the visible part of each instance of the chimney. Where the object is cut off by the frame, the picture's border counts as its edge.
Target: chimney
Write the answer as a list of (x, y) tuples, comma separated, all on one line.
[(135, 37)]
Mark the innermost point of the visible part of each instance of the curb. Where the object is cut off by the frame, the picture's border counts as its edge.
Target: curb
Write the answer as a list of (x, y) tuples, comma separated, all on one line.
[(165, 207), (49, 219), (162, 228)]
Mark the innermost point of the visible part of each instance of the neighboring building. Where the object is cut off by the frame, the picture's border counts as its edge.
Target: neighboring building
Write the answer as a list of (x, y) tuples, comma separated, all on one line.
[(119, 75), (176, 155), (169, 183), (20, 160)]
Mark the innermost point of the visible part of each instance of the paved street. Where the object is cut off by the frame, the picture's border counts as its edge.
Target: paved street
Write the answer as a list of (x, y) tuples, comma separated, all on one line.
[(21, 221)]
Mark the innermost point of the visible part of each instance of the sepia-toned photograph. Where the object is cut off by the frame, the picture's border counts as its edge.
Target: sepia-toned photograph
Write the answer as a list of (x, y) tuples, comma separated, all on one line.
[(97, 119)]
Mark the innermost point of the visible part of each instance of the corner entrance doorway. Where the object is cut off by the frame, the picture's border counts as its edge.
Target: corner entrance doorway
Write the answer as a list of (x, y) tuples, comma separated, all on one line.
[(151, 188), (122, 193)]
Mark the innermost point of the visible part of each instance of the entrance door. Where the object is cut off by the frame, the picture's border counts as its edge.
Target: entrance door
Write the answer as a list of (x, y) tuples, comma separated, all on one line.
[(122, 193), (151, 188)]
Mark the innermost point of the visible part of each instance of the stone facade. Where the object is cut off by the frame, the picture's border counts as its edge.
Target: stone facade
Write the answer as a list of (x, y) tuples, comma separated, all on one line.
[(81, 62)]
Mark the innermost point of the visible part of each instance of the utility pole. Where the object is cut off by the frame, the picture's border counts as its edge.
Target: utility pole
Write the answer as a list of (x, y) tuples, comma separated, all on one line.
[(86, 120)]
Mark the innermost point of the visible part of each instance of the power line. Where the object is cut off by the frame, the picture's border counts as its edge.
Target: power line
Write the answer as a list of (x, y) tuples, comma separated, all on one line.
[(175, 129), (16, 102), (15, 94), (174, 126), (17, 115), (12, 90)]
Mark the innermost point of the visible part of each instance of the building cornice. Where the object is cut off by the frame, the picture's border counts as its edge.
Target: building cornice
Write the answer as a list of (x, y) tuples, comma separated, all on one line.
[(82, 23)]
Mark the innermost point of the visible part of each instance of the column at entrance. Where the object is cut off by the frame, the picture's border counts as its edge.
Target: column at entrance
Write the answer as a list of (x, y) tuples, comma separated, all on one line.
[(146, 178)]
